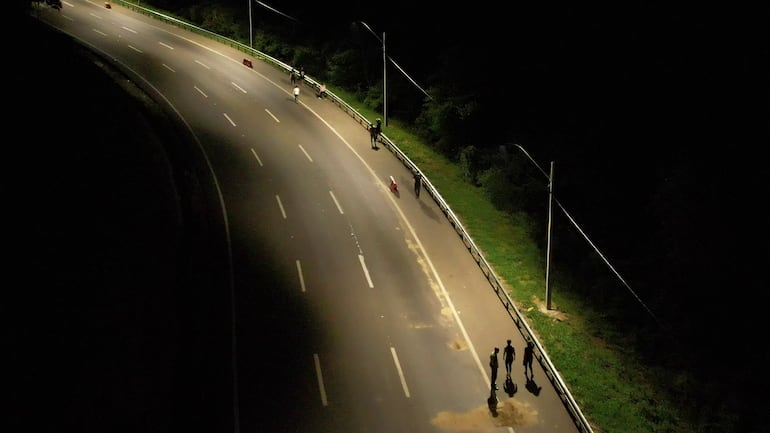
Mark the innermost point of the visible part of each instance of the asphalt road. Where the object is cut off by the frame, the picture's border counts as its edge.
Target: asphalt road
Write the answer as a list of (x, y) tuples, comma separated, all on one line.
[(139, 265)]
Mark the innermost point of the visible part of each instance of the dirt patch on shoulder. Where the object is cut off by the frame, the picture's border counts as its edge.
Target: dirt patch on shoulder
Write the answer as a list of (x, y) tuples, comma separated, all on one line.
[(508, 413)]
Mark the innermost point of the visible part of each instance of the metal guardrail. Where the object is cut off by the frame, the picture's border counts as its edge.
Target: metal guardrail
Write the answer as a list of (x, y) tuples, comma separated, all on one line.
[(539, 352)]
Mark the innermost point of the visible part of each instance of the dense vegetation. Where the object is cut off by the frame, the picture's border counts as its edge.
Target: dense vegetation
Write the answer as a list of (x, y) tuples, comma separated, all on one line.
[(653, 151)]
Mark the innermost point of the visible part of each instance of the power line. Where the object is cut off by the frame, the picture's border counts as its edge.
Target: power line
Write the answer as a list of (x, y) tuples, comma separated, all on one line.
[(585, 236)]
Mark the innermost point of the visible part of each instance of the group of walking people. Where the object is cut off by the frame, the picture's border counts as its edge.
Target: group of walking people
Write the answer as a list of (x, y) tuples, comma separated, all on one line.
[(297, 78), (375, 129), (509, 355)]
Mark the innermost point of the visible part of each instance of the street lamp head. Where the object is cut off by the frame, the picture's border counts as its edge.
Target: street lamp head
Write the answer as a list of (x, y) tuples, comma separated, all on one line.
[(371, 31)]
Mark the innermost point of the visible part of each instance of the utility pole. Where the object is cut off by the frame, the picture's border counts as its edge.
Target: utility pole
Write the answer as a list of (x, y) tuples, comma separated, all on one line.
[(548, 247), (251, 26), (384, 83)]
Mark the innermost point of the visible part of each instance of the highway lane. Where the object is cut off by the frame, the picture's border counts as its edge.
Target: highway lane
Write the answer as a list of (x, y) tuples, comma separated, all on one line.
[(357, 309)]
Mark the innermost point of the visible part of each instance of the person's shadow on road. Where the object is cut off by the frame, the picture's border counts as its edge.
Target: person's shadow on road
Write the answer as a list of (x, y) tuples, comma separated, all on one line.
[(492, 402), (532, 386), (510, 386)]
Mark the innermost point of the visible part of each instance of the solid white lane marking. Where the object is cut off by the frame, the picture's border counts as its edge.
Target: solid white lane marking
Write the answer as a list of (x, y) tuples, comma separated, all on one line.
[(400, 372), (339, 208), (280, 205), (201, 91), (305, 152), (320, 377), (301, 278), (273, 116), (366, 271), (257, 156)]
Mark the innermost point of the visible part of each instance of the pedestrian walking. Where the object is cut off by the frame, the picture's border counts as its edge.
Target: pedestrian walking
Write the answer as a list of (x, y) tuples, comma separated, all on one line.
[(296, 93), (293, 76), (493, 364), (417, 185), (374, 133), (509, 355), (528, 355)]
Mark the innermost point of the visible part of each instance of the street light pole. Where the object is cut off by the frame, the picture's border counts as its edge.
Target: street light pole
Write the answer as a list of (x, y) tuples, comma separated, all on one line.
[(384, 83), (251, 26), (384, 74), (548, 247)]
